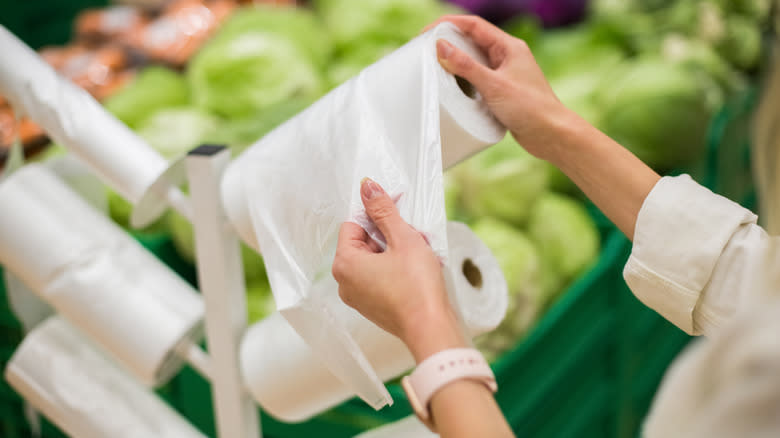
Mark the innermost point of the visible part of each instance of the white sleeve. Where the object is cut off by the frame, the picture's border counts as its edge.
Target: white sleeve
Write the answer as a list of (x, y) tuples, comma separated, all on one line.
[(697, 256), (725, 386)]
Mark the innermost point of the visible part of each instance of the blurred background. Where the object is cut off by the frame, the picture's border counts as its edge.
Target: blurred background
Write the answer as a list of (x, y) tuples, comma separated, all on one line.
[(675, 81)]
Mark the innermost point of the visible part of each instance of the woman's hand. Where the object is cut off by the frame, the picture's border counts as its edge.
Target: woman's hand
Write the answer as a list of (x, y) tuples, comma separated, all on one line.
[(513, 85), (401, 289), (517, 93)]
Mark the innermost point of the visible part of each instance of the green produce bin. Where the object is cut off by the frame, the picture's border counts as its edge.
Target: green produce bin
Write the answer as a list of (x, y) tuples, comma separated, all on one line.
[(558, 382), (588, 369), (41, 23)]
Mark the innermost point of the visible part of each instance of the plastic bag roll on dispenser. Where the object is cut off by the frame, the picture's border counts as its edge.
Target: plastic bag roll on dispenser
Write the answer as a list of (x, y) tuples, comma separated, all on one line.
[(290, 382), (408, 427), (96, 275), (74, 119), (400, 122), (62, 374)]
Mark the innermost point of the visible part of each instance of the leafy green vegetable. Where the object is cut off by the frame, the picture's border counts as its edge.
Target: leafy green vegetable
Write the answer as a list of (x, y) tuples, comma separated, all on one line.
[(184, 241), (242, 132), (173, 132), (658, 110), (701, 58), (259, 300), (354, 59), (570, 51), (452, 192), (521, 264), (259, 59), (119, 210), (565, 234), (377, 22), (503, 182), (153, 89), (298, 25), (742, 44)]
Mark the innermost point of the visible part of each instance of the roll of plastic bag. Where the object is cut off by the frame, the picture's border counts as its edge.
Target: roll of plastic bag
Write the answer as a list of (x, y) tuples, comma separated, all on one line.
[(74, 119), (95, 275), (289, 381), (59, 372), (409, 427), (399, 122)]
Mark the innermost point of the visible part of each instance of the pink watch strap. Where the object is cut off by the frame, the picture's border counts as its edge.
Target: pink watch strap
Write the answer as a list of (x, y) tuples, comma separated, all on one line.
[(441, 369)]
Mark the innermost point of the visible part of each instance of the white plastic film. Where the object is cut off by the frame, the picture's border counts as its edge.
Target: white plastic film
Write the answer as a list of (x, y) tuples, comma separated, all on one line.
[(290, 382), (409, 427), (74, 119), (399, 122), (96, 275), (59, 372)]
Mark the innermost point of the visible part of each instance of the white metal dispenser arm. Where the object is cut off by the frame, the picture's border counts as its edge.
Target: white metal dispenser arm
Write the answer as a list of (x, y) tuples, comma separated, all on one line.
[(221, 281), (73, 118)]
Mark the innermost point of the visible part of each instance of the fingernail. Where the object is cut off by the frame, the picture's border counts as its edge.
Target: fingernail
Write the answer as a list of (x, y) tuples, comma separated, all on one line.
[(370, 189), (444, 48)]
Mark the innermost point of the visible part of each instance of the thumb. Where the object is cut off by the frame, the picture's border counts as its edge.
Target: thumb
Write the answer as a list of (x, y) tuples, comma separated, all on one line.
[(457, 62), (382, 210)]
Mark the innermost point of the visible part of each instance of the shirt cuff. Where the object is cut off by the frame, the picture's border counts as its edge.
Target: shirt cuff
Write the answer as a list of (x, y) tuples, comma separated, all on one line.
[(680, 232)]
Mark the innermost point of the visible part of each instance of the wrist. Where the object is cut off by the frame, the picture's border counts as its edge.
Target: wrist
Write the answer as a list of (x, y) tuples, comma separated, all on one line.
[(569, 133), (439, 330)]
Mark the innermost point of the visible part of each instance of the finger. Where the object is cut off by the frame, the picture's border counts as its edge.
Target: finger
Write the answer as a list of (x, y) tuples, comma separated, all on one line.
[(352, 236), (484, 34), (352, 244), (460, 64), (373, 246), (382, 210)]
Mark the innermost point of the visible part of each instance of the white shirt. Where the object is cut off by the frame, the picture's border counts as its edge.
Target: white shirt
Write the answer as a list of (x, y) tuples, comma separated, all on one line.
[(703, 263)]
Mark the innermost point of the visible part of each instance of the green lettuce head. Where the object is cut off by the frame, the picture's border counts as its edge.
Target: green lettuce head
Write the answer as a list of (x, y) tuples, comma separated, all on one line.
[(567, 238), (259, 59), (503, 182), (521, 264)]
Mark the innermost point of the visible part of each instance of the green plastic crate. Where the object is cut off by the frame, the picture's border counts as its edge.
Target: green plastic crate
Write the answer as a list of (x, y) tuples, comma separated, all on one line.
[(559, 382), (40, 23)]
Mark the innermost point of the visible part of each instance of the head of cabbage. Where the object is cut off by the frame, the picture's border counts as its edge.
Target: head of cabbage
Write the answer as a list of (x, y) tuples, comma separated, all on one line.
[(502, 182), (261, 57), (521, 264)]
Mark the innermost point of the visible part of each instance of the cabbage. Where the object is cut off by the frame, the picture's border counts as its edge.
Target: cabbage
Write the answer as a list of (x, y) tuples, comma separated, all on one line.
[(153, 89), (742, 44), (259, 300), (377, 22), (184, 241), (260, 58), (660, 111), (565, 234), (521, 264), (355, 59), (361, 33), (452, 192), (702, 58), (576, 50), (242, 132), (298, 25), (175, 131), (503, 181)]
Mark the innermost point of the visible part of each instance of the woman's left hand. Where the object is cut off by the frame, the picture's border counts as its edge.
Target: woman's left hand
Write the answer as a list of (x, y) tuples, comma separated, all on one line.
[(401, 289)]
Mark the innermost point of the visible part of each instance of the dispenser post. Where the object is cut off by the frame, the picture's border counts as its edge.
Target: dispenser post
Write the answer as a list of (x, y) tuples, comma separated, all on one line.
[(221, 281)]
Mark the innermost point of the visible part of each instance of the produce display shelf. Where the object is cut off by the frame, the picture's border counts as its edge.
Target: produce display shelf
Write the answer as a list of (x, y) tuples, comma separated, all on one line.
[(589, 368)]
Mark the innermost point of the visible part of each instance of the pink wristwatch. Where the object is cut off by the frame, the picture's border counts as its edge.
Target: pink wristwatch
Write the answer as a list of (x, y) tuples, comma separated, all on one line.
[(441, 369)]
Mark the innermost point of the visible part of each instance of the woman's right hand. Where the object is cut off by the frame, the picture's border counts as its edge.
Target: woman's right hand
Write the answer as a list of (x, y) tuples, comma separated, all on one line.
[(517, 93), (513, 85)]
